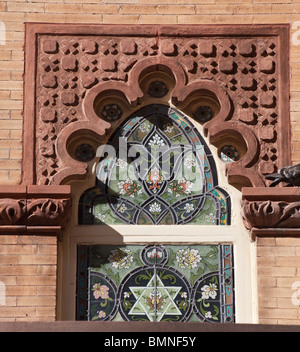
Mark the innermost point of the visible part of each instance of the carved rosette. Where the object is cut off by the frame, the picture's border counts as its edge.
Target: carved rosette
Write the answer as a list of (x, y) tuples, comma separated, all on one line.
[(34, 209), (238, 65), (271, 211)]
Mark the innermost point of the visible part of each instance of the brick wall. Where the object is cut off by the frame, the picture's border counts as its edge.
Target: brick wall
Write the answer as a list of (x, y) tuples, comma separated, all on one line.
[(28, 263), (278, 261), (28, 271)]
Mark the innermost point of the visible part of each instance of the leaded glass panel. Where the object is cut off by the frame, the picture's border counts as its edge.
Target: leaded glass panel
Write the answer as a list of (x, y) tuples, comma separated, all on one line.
[(156, 169), (174, 283)]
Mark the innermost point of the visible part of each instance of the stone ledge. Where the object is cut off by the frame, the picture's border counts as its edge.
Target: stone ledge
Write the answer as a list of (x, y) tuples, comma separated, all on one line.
[(289, 194), (140, 327)]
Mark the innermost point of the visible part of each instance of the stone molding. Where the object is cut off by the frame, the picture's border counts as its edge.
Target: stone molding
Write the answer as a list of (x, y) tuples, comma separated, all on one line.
[(271, 211), (34, 209), (67, 66), (107, 328)]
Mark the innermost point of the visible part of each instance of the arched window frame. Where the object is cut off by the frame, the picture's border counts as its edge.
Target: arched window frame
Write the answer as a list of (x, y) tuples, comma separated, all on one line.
[(233, 234)]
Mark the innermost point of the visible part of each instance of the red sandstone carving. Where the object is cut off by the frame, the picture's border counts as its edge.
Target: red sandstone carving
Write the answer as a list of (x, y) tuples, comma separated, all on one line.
[(11, 211), (34, 208), (269, 210), (47, 212), (241, 66)]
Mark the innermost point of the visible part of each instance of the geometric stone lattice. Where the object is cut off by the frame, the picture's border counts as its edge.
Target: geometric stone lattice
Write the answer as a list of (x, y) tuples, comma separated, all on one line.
[(244, 67), (155, 283)]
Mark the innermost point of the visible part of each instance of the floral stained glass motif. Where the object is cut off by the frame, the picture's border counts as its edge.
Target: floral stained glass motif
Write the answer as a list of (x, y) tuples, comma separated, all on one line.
[(157, 169), (156, 283)]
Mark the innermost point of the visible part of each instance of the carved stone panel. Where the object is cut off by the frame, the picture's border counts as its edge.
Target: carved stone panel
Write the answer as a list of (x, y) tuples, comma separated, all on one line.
[(271, 211), (34, 209), (68, 66)]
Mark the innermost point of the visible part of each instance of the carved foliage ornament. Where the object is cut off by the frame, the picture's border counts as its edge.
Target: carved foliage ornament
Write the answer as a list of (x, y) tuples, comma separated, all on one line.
[(267, 214), (240, 66), (35, 209), (271, 210)]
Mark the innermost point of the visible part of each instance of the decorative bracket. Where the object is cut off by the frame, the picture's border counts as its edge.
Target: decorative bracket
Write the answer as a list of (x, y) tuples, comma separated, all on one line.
[(271, 211)]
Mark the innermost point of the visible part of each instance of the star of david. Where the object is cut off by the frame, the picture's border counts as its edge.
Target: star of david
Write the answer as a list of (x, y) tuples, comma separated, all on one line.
[(155, 300)]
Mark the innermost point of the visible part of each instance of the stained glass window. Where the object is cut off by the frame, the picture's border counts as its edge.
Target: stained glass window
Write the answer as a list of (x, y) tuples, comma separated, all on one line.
[(173, 283), (156, 169)]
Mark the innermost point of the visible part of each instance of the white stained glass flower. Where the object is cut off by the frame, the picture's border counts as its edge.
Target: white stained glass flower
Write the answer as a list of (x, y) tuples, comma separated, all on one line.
[(189, 207), (100, 217), (188, 258), (145, 127), (208, 314), (184, 295), (154, 254), (122, 208), (209, 291), (156, 140), (155, 208), (189, 162), (211, 218), (121, 163)]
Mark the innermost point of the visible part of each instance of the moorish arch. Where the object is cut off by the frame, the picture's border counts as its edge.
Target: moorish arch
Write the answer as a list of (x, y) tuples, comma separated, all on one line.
[(239, 69)]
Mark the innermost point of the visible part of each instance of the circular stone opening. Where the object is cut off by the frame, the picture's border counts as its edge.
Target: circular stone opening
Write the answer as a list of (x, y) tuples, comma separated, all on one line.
[(229, 153), (202, 106), (111, 112), (85, 152), (204, 113), (157, 89)]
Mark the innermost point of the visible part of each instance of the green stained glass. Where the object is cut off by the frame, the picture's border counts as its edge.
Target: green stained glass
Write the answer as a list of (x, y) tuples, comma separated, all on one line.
[(159, 170), (178, 283)]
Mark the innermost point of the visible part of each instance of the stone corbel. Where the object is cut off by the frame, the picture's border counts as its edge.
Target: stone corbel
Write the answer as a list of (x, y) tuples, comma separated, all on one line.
[(271, 211), (34, 209)]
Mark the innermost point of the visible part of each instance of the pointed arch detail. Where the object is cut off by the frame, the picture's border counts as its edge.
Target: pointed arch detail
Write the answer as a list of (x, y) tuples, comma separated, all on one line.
[(157, 170)]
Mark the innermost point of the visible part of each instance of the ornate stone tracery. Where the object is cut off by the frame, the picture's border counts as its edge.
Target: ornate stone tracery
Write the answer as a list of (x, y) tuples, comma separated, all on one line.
[(240, 68)]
